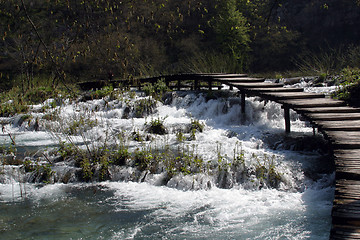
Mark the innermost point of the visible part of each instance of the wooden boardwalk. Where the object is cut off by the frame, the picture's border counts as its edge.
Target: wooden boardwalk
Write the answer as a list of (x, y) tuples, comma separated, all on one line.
[(340, 124)]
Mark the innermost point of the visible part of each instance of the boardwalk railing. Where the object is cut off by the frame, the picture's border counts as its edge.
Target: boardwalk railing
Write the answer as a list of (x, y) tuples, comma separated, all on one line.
[(340, 124)]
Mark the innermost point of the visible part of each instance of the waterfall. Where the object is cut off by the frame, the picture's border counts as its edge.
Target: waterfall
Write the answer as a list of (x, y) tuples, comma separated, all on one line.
[(212, 167)]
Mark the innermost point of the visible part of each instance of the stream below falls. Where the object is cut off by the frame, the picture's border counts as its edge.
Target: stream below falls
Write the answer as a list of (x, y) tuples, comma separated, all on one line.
[(251, 180)]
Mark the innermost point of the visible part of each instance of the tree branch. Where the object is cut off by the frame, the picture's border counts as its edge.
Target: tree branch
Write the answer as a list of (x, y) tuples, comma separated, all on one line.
[(58, 73)]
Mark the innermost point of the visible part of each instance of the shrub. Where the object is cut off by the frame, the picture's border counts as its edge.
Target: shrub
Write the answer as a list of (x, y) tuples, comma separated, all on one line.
[(156, 90), (120, 156), (196, 125), (266, 172), (40, 94), (156, 126), (12, 108), (144, 107), (142, 159), (103, 92), (349, 87)]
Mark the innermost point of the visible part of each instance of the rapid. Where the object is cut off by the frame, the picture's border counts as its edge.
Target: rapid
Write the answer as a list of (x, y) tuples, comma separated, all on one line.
[(250, 180)]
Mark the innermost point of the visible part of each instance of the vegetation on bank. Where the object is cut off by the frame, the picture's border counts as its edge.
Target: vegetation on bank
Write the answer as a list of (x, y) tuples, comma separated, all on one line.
[(349, 86), (69, 41), (98, 156), (82, 40)]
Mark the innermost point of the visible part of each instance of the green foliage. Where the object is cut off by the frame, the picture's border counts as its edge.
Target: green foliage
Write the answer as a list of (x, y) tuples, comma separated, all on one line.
[(232, 31), (142, 159), (156, 90), (239, 155), (136, 136), (41, 171), (156, 126), (266, 172), (87, 169), (8, 152), (103, 92), (39, 95), (196, 125), (95, 39), (80, 124), (67, 150), (324, 61), (121, 155), (144, 107), (222, 161), (16, 101), (11, 108), (180, 137), (210, 62), (349, 86)]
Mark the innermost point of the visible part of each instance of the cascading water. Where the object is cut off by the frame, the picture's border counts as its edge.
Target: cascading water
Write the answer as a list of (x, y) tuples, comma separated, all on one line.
[(249, 179)]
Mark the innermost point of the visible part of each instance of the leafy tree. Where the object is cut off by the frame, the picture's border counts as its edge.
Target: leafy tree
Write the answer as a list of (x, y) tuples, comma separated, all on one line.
[(232, 31)]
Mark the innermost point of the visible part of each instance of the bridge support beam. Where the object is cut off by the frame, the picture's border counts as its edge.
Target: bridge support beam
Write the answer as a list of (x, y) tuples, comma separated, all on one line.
[(242, 102), (178, 84), (196, 85), (287, 118), (210, 85)]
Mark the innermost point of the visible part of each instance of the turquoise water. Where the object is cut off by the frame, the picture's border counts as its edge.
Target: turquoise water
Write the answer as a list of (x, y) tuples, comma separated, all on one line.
[(114, 210)]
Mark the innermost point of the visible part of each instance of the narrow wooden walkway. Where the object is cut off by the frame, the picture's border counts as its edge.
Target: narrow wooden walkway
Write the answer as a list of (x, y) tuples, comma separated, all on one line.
[(340, 124)]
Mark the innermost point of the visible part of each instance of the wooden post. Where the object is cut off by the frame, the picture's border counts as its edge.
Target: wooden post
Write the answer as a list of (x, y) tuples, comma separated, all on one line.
[(196, 83), (210, 84), (287, 118), (243, 102), (178, 84)]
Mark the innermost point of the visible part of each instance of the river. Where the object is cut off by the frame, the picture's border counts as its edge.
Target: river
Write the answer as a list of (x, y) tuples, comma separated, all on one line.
[(223, 202)]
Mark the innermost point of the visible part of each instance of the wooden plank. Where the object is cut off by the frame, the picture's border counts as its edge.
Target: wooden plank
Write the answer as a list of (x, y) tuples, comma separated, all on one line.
[(355, 163), (347, 153), (333, 116), (338, 233), (350, 125), (224, 75), (277, 89), (341, 109), (350, 174), (240, 80), (313, 103), (274, 96), (345, 144), (344, 135), (257, 85)]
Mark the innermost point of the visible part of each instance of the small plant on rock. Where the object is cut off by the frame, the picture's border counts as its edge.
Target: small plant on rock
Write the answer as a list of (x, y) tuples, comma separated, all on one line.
[(196, 125), (266, 172), (156, 126)]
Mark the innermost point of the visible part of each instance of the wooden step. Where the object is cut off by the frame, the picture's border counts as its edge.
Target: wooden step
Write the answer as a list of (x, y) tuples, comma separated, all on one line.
[(347, 154), (343, 135), (333, 116), (350, 125), (312, 103), (341, 109), (340, 232), (276, 89), (240, 80), (275, 96), (257, 85), (224, 75)]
